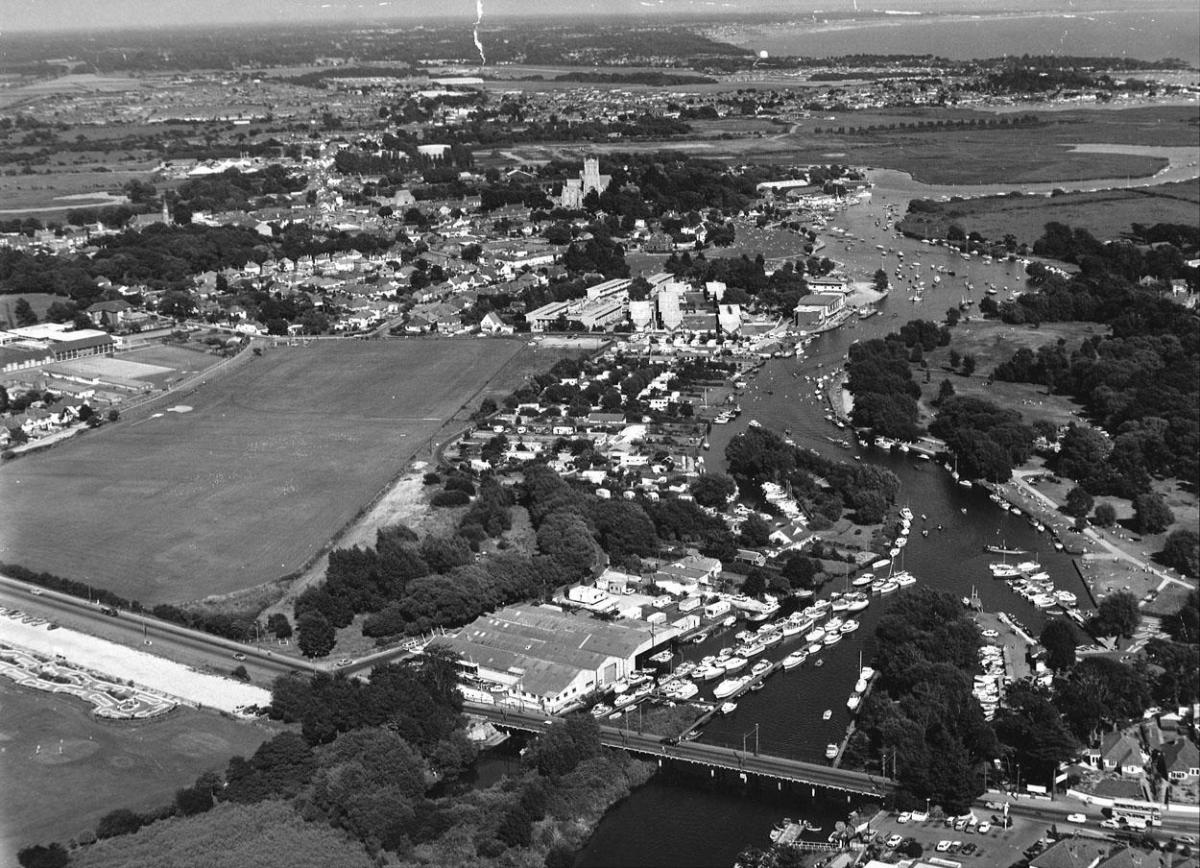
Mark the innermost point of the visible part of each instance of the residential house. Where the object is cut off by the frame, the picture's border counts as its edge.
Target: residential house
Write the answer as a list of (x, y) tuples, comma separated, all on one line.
[(1182, 760), (1120, 752)]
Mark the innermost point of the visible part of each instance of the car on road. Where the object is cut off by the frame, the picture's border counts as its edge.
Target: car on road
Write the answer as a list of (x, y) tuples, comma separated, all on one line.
[(37, 592), (1109, 824), (1185, 839), (985, 827), (1076, 818), (990, 634), (239, 656), (894, 841), (345, 661), (670, 740)]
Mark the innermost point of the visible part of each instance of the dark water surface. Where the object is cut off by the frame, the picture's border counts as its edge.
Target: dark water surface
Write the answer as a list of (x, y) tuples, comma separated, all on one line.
[(684, 818)]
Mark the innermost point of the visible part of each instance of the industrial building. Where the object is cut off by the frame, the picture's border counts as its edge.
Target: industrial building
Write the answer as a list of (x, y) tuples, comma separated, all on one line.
[(542, 657)]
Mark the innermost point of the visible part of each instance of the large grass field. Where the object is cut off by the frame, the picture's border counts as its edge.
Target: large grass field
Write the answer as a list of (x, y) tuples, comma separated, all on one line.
[(1107, 214), (62, 770), (993, 342), (243, 488)]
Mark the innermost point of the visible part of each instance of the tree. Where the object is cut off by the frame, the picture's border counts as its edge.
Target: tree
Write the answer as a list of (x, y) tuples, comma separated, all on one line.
[(1105, 515), (317, 636), (114, 414), (1184, 624), (955, 358), (800, 570), (1182, 551), (968, 365), (1058, 638), (1151, 513), (953, 315), (1079, 502), (713, 490), (880, 280), (755, 533), (24, 314), (945, 390), (279, 625), (1117, 615), (119, 822), (39, 856), (755, 584)]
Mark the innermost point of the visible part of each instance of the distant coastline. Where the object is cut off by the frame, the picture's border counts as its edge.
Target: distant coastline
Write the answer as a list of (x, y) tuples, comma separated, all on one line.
[(1145, 34)]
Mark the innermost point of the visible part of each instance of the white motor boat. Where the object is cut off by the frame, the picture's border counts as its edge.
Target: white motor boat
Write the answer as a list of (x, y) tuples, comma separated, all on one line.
[(849, 627), (794, 659), (729, 686), (733, 664)]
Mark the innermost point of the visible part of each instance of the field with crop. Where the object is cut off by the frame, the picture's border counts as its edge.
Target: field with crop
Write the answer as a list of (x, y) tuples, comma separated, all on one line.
[(247, 477), (63, 770)]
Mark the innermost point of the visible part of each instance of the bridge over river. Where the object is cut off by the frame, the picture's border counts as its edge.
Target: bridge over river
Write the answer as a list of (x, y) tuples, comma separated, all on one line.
[(745, 762)]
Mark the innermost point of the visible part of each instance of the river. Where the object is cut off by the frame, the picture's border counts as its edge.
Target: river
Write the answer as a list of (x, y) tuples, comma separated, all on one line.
[(683, 819)]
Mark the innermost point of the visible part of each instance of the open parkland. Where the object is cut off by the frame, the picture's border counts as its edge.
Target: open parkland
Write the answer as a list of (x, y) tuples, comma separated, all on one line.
[(256, 470)]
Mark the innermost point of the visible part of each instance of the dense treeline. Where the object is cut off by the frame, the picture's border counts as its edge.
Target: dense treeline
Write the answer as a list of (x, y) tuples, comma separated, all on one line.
[(408, 585), (358, 783), (986, 441), (234, 190), (823, 487), (165, 257), (1141, 383), (885, 395), (69, 586), (922, 718)]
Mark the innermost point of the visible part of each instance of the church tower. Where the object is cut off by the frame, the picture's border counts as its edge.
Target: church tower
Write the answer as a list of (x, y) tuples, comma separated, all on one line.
[(591, 175)]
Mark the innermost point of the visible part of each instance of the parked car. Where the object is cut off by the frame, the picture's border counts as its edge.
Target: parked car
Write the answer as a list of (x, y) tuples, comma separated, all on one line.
[(969, 848), (919, 816), (985, 827), (894, 841), (904, 818), (955, 846), (942, 846)]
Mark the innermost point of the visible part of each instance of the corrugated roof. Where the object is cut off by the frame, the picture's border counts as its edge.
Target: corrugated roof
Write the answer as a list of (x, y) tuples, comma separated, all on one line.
[(551, 646)]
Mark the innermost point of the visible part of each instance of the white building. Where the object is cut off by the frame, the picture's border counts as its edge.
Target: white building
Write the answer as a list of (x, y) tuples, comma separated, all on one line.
[(541, 657)]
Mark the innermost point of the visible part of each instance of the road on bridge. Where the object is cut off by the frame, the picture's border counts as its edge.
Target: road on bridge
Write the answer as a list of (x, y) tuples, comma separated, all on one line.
[(703, 754)]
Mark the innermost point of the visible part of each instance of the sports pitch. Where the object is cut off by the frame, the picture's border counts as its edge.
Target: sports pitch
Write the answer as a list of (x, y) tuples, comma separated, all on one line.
[(246, 477)]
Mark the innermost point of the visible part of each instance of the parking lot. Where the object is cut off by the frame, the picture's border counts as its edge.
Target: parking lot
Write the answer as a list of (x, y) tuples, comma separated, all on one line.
[(995, 847)]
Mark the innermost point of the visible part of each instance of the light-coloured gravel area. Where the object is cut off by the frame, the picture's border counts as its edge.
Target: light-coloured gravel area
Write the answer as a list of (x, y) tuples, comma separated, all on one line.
[(126, 664)]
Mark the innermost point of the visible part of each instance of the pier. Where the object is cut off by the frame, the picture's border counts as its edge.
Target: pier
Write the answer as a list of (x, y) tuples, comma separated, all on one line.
[(743, 762)]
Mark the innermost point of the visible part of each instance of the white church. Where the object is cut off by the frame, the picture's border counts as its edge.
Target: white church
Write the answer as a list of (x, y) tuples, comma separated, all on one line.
[(575, 189)]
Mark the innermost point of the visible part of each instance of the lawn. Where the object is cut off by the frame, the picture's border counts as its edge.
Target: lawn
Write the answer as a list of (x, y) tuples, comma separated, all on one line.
[(63, 770), (246, 478), (993, 342)]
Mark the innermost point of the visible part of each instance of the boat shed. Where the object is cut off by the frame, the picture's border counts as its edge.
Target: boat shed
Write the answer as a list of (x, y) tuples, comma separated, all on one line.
[(542, 657)]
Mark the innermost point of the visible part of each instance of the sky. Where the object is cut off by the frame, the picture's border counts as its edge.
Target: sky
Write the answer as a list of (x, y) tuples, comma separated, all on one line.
[(20, 15)]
